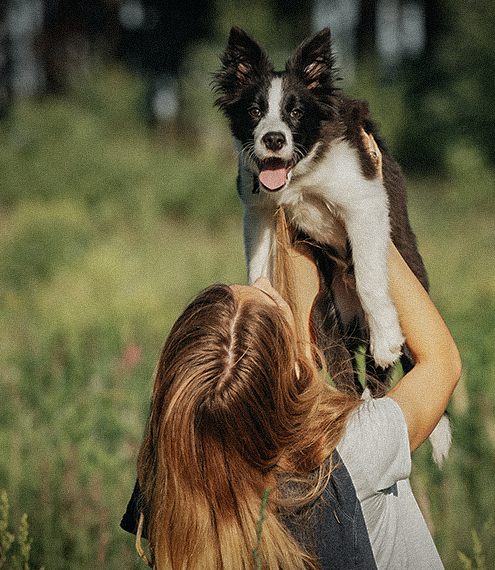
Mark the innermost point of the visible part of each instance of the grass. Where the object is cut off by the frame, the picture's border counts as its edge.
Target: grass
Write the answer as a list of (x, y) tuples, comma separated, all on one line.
[(14, 549), (105, 235), (258, 562)]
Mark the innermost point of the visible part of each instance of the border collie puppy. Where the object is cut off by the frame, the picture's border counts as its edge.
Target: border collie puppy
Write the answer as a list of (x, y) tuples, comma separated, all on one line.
[(301, 147)]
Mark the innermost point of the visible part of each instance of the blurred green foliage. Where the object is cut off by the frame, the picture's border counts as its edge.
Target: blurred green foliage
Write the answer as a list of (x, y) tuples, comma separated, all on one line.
[(107, 230), (448, 90)]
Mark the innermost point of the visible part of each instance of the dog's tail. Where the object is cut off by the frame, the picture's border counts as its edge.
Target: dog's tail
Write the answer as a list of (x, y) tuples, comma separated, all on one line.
[(441, 438)]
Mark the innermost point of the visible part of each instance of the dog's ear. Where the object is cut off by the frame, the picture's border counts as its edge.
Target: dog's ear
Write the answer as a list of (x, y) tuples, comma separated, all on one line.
[(244, 63), (314, 63)]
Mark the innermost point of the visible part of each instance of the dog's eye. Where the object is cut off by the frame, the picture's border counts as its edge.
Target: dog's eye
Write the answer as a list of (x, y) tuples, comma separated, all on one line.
[(296, 113), (255, 112)]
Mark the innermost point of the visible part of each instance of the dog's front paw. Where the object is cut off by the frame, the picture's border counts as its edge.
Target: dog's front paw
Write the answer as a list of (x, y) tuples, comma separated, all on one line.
[(386, 344)]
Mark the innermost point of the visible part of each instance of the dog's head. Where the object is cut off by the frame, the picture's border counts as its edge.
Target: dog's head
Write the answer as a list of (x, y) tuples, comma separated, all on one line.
[(276, 117)]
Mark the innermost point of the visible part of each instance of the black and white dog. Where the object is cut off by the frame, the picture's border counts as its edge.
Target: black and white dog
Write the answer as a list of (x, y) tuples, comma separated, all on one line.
[(301, 147)]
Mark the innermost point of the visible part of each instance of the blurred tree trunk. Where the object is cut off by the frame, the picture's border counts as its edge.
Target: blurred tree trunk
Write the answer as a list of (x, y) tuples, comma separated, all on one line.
[(5, 83), (366, 29), (426, 127)]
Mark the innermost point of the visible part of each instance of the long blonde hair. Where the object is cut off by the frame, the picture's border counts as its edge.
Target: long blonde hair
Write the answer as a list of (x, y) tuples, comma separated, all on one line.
[(237, 407)]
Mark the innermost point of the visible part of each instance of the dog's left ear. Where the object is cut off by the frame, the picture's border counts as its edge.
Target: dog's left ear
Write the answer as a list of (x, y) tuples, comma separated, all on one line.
[(314, 63)]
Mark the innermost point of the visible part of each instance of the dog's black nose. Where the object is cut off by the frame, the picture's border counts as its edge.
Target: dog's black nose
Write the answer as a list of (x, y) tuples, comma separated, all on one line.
[(274, 140)]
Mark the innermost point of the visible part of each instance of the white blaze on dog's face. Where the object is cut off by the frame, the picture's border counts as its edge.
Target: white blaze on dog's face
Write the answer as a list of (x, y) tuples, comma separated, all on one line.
[(273, 142)]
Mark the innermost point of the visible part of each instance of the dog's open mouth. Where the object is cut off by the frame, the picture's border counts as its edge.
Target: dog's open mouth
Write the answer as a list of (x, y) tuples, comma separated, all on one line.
[(273, 173)]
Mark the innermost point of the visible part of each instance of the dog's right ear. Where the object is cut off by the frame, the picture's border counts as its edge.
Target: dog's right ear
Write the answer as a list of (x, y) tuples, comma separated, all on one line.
[(314, 63), (244, 63)]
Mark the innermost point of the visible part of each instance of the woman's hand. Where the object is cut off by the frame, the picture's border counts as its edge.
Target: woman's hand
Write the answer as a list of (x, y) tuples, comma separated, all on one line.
[(373, 151)]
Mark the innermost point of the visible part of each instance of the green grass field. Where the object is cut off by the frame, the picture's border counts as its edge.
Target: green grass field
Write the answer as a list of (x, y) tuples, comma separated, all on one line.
[(105, 235)]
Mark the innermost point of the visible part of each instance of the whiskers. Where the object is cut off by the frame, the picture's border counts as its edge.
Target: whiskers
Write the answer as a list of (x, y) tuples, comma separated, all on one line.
[(299, 152), (247, 151)]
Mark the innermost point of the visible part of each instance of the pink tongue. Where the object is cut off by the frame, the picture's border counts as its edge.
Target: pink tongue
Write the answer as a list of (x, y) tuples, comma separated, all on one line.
[(273, 176)]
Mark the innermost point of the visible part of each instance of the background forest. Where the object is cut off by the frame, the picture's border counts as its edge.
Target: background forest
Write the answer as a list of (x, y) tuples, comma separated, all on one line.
[(118, 204)]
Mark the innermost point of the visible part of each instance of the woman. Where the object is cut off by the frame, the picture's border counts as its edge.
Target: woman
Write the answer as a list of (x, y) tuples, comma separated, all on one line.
[(238, 407)]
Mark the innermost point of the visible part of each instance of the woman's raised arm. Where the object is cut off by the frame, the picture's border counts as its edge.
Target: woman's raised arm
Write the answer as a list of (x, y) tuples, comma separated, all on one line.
[(423, 393)]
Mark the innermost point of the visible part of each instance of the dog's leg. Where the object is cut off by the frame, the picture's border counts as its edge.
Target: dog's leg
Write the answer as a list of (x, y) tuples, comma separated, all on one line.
[(259, 243), (368, 230), (259, 225), (363, 205)]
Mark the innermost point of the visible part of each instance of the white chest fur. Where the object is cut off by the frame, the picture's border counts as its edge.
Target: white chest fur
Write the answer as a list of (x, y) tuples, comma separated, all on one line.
[(316, 195)]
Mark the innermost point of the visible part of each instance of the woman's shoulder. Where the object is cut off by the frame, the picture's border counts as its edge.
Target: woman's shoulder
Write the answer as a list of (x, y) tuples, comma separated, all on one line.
[(375, 446)]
